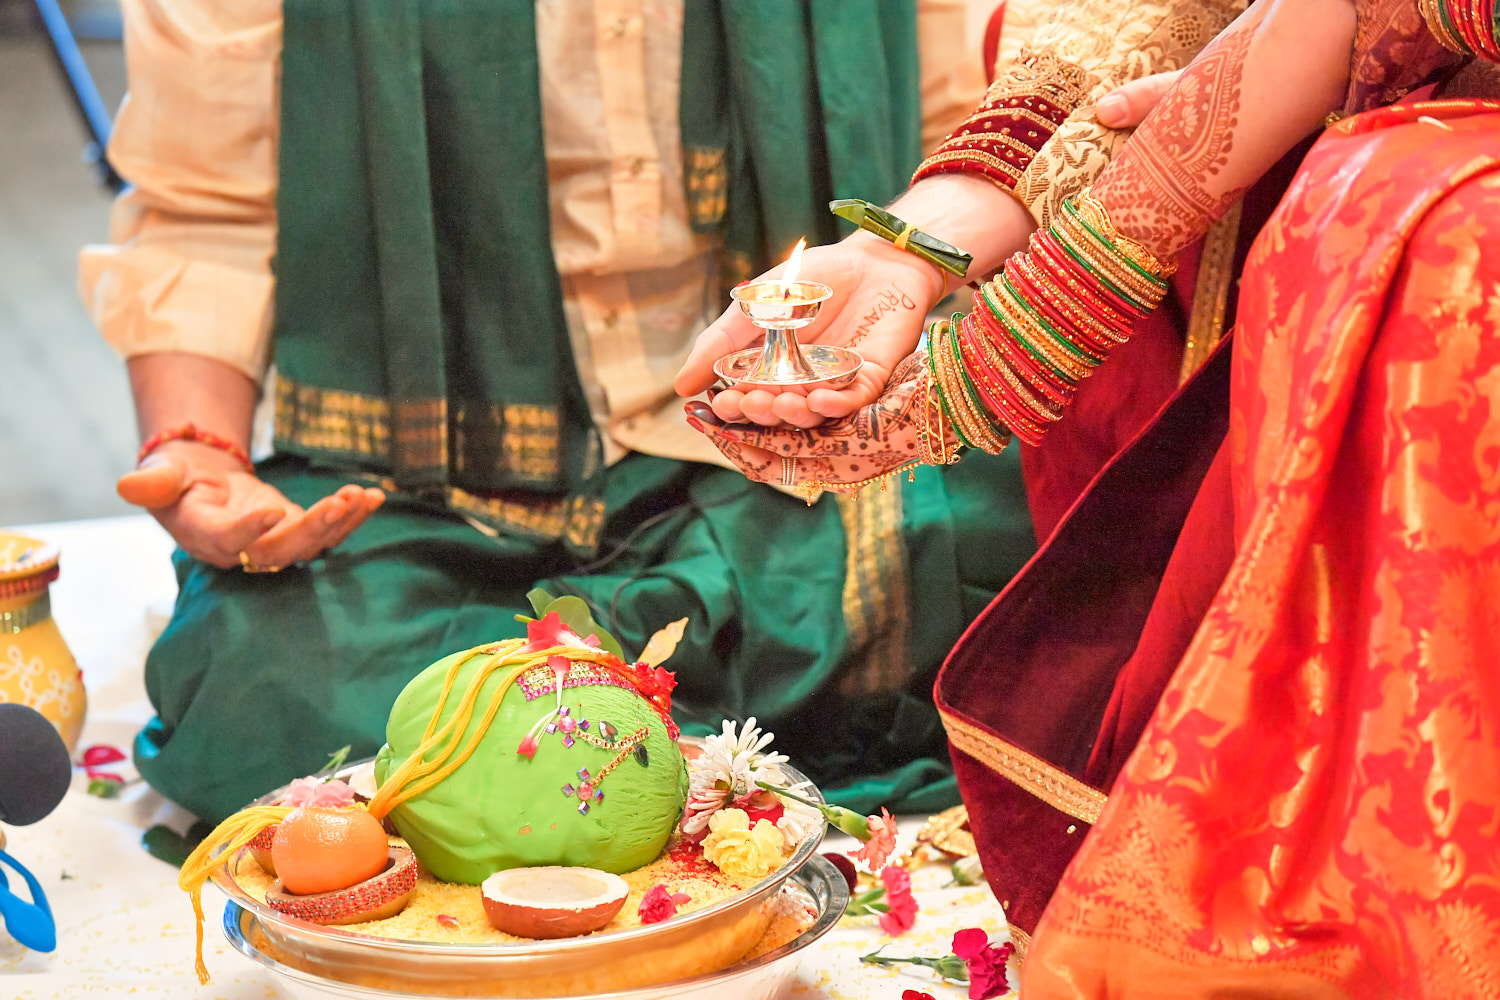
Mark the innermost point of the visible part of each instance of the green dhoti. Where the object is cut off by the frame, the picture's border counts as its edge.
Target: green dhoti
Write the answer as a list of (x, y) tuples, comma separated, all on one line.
[(826, 623)]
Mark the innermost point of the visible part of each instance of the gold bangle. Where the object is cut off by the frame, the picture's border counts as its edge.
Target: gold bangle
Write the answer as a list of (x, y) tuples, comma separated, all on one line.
[(1071, 291), (1136, 251), (1032, 414), (943, 358), (1065, 304), (1439, 29), (1015, 319), (974, 424), (1034, 396), (1107, 266), (1106, 259), (944, 454)]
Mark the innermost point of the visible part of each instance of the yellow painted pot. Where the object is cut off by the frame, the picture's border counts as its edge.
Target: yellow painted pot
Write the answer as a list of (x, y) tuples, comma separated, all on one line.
[(36, 668)]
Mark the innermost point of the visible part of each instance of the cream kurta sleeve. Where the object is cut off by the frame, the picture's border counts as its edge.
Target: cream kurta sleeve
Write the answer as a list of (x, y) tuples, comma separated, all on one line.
[(952, 70), (188, 267)]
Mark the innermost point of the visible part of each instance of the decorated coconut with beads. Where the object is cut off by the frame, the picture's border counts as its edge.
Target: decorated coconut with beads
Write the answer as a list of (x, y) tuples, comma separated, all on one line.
[(576, 764)]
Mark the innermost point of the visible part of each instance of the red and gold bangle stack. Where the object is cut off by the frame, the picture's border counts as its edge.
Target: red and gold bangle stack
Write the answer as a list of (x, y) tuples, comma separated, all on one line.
[(1020, 113), (1041, 327), (958, 398), (1471, 27), (190, 432)]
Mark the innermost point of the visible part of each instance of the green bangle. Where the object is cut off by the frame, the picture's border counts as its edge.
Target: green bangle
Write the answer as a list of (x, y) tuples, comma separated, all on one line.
[(933, 346), (1041, 321), (1083, 359), (1442, 7), (968, 387), (1026, 345), (1068, 249), (1111, 248)]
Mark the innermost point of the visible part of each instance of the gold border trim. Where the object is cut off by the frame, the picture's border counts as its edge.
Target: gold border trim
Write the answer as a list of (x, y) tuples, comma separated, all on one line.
[(518, 440), (1049, 783), (875, 591), (706, 172), (1021, 940), (968, 154), (1211, 293)]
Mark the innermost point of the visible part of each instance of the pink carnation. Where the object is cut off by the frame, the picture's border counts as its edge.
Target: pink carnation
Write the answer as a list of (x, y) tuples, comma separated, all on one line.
[(658, 904), (333, 794), (903, 907), (882, 842)]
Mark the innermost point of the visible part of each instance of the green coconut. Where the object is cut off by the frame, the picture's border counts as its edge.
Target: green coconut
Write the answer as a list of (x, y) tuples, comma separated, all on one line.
[(501, 810)]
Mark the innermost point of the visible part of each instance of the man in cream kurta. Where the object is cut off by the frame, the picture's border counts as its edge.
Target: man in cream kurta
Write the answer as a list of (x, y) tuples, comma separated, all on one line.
[(825, 622), (189, 263)]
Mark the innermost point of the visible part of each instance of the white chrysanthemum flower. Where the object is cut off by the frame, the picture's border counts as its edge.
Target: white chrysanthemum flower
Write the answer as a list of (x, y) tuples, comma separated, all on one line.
[(729, 766), (798, 819)]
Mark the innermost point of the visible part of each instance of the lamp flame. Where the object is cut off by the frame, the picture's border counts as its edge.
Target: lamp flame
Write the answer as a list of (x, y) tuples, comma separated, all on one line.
[(793, 265)]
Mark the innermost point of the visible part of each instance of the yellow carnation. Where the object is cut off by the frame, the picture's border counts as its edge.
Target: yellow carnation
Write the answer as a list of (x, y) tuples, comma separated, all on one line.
[(738, 850)]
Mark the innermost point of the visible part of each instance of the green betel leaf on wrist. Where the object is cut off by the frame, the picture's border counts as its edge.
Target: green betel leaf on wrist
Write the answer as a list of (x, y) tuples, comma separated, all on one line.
[(888, 227)]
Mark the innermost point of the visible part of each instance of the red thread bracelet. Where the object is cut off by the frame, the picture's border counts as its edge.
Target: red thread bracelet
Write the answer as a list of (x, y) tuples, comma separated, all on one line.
[(189, 432)]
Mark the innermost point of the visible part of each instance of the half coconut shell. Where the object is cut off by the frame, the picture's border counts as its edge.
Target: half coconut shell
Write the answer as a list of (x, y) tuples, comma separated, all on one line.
[(260, 849), (382, 895), (552, 901)]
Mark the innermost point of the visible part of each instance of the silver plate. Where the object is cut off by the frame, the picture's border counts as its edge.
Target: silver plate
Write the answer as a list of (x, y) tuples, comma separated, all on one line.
[(762, 978), (623, 956), (832, 368)]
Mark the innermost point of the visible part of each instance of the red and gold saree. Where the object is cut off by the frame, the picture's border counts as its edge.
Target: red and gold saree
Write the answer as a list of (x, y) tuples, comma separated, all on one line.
[(1278, 649)]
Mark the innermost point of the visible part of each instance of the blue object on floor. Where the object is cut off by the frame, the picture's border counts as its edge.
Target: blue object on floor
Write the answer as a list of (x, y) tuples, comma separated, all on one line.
[(29, 923)]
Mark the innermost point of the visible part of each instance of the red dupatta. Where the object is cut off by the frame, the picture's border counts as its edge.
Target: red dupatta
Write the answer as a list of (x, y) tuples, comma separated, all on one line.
[(1313, 808)]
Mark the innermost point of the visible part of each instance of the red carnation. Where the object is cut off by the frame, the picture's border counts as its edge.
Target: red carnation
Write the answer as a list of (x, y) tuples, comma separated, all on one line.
[(986, 964), (547, 632), (658, 904)]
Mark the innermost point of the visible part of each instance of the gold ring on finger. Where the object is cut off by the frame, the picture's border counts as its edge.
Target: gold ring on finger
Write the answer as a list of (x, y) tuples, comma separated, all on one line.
[(250, 567)]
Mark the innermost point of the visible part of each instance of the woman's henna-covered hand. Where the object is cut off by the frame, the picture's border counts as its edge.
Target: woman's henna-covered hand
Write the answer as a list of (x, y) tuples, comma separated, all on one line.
[(881, 437), (1266, 82)]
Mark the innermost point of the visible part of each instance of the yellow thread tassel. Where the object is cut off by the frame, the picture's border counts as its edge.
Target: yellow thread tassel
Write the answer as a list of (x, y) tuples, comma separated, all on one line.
[(536, 659), (232, 835)]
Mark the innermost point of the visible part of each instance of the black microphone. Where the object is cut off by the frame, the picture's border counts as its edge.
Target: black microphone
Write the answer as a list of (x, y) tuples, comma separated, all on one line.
[(35, 768)]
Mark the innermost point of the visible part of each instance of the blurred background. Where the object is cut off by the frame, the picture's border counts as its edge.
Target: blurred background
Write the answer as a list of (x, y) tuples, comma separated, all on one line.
[(67, 429)]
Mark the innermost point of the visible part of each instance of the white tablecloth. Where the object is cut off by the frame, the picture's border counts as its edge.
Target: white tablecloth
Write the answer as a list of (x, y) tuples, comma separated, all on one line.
[(125, 929)]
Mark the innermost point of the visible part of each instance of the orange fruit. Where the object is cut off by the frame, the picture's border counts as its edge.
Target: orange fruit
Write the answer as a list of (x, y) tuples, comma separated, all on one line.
[(320, 850)]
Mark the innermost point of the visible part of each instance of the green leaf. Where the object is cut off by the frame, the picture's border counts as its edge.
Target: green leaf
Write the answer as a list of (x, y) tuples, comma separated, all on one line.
[(106, 787), (335, 761), (539, 599), (575, 614)]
